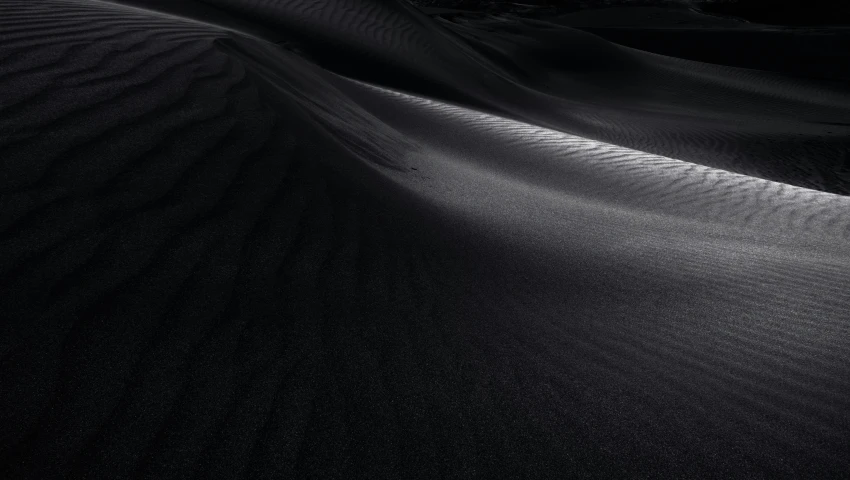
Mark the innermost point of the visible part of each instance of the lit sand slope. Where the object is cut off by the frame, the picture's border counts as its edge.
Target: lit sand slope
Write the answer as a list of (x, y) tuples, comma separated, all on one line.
[(219, 259), (763, 124)]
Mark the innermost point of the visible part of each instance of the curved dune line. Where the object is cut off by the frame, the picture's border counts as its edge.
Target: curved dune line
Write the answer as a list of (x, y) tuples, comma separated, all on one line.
[(273, 239)]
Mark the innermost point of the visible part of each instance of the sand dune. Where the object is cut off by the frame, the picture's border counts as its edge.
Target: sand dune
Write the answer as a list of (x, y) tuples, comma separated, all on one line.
[(344, 239)]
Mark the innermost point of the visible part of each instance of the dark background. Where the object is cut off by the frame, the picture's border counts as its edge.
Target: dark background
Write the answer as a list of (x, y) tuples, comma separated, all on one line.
[(785, 12)]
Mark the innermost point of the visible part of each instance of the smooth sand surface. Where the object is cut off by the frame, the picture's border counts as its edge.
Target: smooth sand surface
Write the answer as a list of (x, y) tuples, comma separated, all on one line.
[(345, 239)]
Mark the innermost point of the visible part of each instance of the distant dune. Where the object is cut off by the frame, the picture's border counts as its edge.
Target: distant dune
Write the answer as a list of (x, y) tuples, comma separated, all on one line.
[(348, 239)]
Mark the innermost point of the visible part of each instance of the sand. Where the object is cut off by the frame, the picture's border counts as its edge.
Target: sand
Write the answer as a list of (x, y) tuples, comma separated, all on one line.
[(347, 239)]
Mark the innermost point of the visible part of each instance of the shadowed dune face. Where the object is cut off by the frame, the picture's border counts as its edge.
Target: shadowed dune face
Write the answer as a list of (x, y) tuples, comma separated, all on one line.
[(342, 239), (789, 129)]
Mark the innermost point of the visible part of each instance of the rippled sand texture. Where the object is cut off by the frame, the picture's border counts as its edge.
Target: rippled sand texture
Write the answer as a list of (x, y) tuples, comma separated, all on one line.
[(344, 239)]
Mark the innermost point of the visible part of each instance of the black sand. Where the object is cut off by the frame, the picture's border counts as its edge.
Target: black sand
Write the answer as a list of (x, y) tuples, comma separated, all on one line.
[(345, 239)]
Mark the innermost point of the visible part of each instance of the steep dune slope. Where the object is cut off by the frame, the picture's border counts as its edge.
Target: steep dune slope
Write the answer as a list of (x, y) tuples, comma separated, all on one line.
[(764, 124), (346, 242)]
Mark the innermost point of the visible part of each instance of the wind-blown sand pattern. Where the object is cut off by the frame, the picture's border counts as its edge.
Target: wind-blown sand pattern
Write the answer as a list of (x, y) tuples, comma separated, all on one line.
[(344, 239)]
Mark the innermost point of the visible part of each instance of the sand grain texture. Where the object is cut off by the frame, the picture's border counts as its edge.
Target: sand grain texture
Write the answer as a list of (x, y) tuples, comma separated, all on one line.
[(344, 239)]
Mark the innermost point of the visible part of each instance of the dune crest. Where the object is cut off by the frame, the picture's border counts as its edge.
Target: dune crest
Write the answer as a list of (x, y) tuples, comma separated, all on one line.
[(347, 239)]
